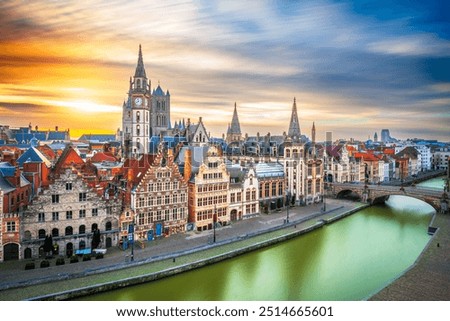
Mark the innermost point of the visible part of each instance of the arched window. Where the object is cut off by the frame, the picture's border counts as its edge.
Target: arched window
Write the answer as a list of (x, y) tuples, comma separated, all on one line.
[(55, 232), (138, 83), (138, 130), (27, 253), (41, 234), (94, 227), (138, 116), (108, 226), (82, 229), (82, 245), (69, 230)]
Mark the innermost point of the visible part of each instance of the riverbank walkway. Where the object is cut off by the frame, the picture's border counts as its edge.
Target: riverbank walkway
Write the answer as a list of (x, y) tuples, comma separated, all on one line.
[(162, 254), (429, 278)]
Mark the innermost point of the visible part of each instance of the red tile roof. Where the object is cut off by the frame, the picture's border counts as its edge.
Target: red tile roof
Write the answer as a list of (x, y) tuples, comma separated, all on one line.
[(102, 157)]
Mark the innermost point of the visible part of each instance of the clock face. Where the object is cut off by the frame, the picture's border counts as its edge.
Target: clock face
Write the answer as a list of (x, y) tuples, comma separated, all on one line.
[(138, 101)]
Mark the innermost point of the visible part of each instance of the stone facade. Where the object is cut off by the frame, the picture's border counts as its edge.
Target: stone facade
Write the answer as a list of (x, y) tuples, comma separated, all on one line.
[(70, 212), (159, 201), (272, 184), (208, 192), (340, 167), (304, 174), (243, 192), (294, 169)]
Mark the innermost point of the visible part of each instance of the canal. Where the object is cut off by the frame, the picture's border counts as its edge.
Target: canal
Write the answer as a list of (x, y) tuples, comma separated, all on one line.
[(348, 260)]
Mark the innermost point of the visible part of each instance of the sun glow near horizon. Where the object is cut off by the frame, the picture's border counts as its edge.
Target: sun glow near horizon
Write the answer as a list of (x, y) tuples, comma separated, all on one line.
[(68, 64)]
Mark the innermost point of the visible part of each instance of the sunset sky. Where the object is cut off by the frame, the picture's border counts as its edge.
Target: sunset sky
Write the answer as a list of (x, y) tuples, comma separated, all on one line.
[(354, 67)]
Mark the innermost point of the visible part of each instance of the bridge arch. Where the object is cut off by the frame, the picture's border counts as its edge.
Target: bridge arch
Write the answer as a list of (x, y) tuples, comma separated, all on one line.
[(348, 194), (383, 198)]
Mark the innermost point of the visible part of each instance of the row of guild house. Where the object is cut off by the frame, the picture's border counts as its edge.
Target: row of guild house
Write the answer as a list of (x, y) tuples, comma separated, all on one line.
[(164, 180)]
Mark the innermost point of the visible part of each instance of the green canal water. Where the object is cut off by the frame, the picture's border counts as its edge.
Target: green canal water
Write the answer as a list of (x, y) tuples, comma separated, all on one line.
[(348, 260), (437, 182)]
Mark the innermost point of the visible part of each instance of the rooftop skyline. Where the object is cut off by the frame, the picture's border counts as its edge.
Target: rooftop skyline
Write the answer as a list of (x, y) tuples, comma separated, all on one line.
[(354, 67)]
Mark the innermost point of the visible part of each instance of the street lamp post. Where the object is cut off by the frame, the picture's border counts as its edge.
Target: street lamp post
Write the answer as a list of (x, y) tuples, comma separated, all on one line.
[(131, 239), (288, 199), (325, 180), (214, 223)]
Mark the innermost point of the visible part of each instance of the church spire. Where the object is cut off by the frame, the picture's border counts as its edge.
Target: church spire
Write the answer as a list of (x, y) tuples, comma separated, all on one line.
[(235, 126), (294, 125), (313, 133), (140, 70), (234, 129)]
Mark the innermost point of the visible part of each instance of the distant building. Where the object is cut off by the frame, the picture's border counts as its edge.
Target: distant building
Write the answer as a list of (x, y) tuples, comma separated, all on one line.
[(386, 137), (341, 168), (145, 113), (412, 155), (440, 157)]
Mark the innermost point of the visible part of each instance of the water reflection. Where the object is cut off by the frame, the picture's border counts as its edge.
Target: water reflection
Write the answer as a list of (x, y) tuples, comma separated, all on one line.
[(347, 260)]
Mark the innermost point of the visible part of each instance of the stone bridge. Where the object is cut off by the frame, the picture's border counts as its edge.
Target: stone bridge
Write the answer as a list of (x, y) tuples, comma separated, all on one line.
[(379, 193)]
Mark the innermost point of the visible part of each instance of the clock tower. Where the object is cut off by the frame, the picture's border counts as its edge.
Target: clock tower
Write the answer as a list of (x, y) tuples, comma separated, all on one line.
[(136, 113)]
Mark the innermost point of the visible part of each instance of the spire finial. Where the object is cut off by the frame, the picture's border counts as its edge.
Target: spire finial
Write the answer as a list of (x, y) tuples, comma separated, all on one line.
[(140, 70)]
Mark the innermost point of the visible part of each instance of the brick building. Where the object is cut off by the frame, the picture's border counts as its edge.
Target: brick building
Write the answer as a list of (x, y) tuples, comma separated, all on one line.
[(159, 199)]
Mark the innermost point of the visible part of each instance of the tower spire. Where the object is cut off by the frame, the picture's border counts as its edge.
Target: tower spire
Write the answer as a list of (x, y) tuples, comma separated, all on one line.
[(313, 133), (234, 129), (294, 125), (235, 126), (140, 70)]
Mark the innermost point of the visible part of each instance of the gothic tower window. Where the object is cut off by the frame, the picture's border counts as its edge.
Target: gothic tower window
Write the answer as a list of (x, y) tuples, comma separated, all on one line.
[(138, 130), (139, 84), (138, 116)]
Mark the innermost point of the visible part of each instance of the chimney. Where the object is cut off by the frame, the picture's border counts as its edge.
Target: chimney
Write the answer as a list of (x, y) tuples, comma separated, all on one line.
[(36, 128), (56, 128), (187, 165)]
